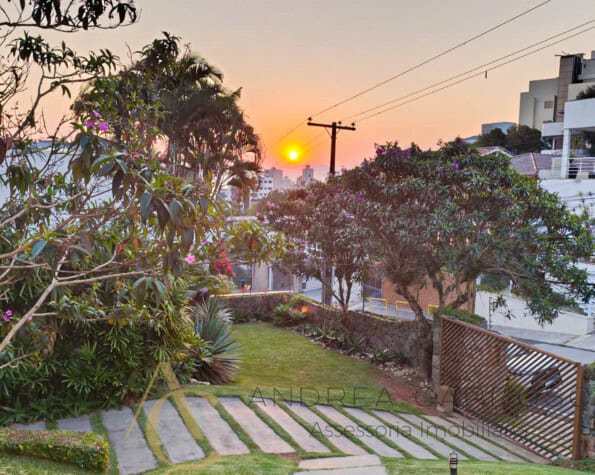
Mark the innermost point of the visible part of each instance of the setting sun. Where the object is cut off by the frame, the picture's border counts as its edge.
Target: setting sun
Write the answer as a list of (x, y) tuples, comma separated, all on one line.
[(293, 155)]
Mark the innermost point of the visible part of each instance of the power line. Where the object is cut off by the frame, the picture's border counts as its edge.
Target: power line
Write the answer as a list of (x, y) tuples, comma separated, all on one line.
[(482, 68), (419, 65), (481, 73), (433, 58)]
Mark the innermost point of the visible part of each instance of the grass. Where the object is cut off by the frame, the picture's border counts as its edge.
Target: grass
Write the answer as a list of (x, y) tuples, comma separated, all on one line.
[(22, 465), (467, 467), (256, 464), (285, 365), (99, 428)]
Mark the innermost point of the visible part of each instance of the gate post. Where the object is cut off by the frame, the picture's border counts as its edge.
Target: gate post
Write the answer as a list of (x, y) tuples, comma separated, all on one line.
[(437, 349)]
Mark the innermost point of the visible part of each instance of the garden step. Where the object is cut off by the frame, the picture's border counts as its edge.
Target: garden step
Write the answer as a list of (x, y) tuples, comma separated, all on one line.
[(363, 435), (262, 435), (469, 434), (322, 427), (39, 425), (507, 444), (217, 431), (78, 424), (300, 435), (402, 442), (340, 462), (457, 443), (134, 455), (177, 441), (373, 470), (425, 438)]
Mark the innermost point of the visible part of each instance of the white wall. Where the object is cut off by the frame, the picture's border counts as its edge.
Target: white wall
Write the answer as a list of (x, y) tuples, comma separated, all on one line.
[(579, 114), (568, 323)]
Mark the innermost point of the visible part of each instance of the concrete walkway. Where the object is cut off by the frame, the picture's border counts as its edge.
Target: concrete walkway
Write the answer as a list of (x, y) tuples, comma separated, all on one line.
[(356, 437)]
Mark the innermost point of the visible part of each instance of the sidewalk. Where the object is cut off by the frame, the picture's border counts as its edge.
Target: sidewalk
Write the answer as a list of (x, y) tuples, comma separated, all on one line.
[(577, 348)]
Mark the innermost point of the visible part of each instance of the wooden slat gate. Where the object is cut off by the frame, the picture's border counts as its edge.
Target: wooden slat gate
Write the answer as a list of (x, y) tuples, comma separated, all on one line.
[(529, 395)]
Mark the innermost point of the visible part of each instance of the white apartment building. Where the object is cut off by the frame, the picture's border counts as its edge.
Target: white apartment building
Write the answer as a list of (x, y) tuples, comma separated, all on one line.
[(545, 100), (551, 105)]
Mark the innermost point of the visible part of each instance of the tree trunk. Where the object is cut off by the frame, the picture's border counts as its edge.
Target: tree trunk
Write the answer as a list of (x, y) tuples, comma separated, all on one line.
[(426, 349), (424, 335)]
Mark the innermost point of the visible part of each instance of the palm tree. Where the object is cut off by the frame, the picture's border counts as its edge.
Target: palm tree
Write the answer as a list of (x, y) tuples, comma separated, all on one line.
[(204, 130)]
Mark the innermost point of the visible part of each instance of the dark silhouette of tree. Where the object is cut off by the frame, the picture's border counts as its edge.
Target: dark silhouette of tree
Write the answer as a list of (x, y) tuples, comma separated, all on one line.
[(494, 138), (588, 93), (523, 139)]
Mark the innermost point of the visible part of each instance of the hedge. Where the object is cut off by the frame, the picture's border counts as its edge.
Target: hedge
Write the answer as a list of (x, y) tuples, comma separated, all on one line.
[(464, 316), (88, 451)]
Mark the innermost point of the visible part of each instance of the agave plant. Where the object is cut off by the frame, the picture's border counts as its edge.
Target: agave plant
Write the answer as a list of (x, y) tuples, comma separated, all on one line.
[(212, 326)]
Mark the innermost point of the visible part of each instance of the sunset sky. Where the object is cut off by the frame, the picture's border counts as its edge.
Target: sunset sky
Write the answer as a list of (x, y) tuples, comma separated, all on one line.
[(292, 59)]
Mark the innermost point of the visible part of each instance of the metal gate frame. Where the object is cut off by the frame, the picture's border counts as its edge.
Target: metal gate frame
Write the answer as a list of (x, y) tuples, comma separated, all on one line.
[(529, 395)]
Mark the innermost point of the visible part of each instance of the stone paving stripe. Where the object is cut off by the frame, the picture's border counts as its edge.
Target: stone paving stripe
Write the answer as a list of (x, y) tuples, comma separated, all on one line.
[(262, 435), (437, 446), (340, 462), (217, 431), (303, 438), (358, 431), (455, 442), (509, 445), (469, 434), (321, 426), (402, 442), (375, 470), (40, 425), (79, 424), (175, 437), (134, 455)]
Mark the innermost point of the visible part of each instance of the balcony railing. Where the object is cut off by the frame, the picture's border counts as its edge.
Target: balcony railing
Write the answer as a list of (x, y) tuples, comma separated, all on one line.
[(583, 167)]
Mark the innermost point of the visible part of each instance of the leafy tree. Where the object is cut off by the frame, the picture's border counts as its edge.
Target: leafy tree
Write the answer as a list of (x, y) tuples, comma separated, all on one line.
[(432, 215), (200, 123), (523, 139), (97, 205), (254, 244), (319, 225), (588, 93), (494, 138)]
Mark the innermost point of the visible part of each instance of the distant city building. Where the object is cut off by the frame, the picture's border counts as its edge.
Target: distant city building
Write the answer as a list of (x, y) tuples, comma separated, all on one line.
[(307, 175), (272, 179)]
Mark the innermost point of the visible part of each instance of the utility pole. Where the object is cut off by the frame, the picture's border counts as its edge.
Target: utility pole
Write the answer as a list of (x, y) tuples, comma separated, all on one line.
[(334, 126), (327, 269)]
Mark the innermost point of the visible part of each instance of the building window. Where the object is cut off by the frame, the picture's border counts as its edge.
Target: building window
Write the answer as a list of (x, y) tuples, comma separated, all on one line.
[(548, 105)]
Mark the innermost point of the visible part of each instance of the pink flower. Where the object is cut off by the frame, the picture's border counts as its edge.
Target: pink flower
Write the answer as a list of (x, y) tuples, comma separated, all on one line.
[(89, 124), (163, 165), (103, 126), (136, 155), (5, 318), (190, 259), (96, 114), (29, 318), (8, 313)]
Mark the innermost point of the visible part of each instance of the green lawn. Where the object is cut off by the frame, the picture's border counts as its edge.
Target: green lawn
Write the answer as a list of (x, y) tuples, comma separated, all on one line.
[(278, 359), (20, 465), (257, 464)]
